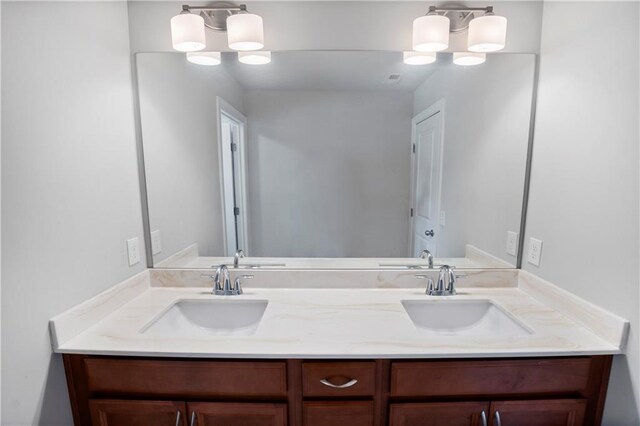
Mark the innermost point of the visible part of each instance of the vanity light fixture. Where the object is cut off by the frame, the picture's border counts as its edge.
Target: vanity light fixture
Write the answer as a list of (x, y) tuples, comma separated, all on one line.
[(469, 58), (245, 30), (261, 57), (487, 31), (204, 58), (419, 58)]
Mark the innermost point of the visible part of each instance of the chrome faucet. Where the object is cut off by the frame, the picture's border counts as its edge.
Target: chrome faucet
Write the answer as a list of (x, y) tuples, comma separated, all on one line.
[(426, 254), (222, 284), (236, 258), (446, 285)]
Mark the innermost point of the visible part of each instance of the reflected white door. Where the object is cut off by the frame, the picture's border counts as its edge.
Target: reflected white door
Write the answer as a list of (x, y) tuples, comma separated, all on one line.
[(233, 176), (426, 179)]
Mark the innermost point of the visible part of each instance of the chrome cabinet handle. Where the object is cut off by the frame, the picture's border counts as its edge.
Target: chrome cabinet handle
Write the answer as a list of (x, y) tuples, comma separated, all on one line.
[(344, 386), (178, 416), (429, 233), (483, 417), (496, 417), (193, 419)]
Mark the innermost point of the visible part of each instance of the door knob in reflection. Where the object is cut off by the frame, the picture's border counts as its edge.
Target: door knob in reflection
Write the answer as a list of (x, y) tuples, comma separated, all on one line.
[(429, 233)]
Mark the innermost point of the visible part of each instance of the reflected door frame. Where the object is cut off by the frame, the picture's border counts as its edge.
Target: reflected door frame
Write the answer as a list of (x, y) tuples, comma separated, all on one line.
[(436, 108), (233, 178)]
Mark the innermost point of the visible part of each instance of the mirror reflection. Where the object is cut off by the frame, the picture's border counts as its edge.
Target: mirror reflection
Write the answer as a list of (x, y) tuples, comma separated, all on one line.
[(335, 159)]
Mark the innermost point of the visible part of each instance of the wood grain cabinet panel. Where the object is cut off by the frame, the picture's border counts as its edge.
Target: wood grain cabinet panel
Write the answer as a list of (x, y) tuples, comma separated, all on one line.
[(349, 378), (489, 378), (237, 414), (439, 414), (173, 378), (338, 413), (137, 413), (552, 412)]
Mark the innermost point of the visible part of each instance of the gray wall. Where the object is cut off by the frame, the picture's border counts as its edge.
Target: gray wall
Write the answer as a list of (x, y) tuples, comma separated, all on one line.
[(584, 183), (69, 185), (180, 137), (351, 147), (486, 132)]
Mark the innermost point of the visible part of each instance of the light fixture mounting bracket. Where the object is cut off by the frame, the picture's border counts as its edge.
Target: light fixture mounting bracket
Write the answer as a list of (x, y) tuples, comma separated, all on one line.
[(459, 16), (215, 16)]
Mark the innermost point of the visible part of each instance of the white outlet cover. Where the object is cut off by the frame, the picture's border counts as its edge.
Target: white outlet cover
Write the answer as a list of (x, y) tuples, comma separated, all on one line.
[(156, 242), (535, 251), (133, 250), (512, 243)]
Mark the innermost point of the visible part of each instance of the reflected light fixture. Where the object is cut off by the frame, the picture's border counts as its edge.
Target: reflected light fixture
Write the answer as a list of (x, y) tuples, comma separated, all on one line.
[(419, 58), (469, 58), (244, 30), (260, 57), (204, 58), (487, 31)]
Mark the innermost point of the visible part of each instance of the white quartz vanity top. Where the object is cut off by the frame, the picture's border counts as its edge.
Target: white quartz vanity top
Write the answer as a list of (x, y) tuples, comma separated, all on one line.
[(328, 323)]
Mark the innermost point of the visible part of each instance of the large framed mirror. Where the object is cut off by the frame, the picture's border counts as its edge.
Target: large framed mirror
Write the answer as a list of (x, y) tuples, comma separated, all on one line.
[(337, 159)]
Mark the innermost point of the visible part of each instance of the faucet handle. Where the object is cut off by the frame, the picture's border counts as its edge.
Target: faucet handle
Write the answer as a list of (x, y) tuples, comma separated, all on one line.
[(237, 286)]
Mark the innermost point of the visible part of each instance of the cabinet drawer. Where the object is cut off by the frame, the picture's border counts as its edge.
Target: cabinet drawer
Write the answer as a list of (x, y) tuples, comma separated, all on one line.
[(338, 413), (482, 378), (336, 379), (184, 379), (439, 413)]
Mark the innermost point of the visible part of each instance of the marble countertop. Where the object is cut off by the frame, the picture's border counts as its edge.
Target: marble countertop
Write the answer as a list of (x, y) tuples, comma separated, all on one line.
[(326, 323)]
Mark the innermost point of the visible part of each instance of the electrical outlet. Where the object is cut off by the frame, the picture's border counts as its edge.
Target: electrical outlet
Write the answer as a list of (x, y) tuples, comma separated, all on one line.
[(133, 250), (156, 242), (535, 250), (442, 218), (512, 243)]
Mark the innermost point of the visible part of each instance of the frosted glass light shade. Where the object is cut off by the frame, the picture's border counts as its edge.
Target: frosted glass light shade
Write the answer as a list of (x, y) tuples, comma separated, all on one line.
[(187, 32), (487, 33), (204, 58), (255, 58), (430, 33), (245, 32), (469, 58), (419, 58)]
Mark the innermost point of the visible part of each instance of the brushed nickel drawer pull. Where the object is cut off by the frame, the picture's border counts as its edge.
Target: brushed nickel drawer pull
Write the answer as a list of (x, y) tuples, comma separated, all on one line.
[(178, 416), (496, 417), (344, 386), (483, 417), (193, 419)]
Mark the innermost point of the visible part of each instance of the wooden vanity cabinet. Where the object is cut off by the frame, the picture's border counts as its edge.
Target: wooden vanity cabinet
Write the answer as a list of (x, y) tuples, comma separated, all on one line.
[(131, 391)]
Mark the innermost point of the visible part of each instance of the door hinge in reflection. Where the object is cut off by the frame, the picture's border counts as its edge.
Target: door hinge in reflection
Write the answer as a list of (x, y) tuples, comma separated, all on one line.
[(234, 146), (411, 213), (236, 211), (413, 150)]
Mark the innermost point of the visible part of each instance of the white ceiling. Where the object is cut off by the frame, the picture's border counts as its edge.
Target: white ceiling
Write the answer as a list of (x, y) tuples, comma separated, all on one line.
[(330, 70)]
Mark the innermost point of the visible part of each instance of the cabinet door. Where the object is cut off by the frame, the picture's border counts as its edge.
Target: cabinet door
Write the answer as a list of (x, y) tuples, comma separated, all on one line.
[(137, 413), (558, 412), (236, 414), (337, 413), (438, 414)]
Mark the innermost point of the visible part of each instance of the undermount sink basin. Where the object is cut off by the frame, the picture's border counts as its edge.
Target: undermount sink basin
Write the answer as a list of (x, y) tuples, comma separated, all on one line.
[(199, 317), (463, 318)]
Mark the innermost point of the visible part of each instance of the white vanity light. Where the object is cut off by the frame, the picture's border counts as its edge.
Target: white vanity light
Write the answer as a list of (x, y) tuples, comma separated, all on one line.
[(204, 58), (187, 32), (431, 33), (255, 58), (419, 58), (245, 32), (487, 33), (469, 58)]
